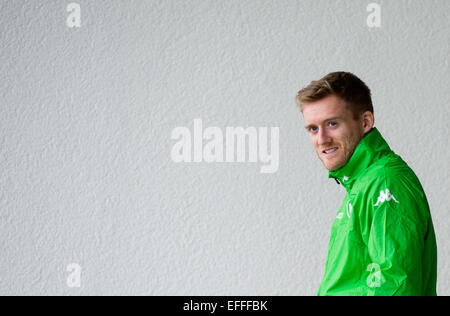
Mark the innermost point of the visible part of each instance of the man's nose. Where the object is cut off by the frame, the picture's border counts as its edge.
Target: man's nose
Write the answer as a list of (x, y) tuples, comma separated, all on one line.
[(323, 137)]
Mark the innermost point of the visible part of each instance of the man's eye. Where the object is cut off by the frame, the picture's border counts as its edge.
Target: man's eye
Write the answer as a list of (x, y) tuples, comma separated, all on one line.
[(312, 129), (332, 123)]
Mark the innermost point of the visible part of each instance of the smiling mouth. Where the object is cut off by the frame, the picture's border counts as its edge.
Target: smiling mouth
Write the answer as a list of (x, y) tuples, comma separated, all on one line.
[(330, 150)]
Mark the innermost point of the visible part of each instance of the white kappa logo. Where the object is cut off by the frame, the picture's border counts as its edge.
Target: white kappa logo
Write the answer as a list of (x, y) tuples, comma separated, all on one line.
[(385, 196)]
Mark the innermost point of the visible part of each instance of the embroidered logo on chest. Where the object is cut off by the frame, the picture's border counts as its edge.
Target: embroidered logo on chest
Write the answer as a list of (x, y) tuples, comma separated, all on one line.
[(348, 210)]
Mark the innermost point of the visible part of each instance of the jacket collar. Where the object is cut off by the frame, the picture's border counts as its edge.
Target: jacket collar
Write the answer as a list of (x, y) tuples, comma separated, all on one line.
[(371, 147)]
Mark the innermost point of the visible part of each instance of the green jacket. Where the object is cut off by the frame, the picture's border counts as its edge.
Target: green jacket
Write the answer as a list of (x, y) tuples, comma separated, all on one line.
[(382, 240)]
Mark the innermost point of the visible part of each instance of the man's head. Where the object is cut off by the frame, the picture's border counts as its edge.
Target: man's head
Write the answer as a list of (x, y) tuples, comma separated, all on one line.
[(338, 112)]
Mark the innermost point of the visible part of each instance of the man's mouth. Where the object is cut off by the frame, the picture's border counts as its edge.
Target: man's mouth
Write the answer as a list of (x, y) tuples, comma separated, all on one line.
[(329, 150)]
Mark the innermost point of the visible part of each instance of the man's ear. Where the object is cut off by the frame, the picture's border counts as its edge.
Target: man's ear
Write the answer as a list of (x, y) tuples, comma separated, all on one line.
[(367, 121)]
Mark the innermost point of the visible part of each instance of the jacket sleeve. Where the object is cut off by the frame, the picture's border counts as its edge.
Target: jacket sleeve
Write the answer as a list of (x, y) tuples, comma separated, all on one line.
[(395, 240)]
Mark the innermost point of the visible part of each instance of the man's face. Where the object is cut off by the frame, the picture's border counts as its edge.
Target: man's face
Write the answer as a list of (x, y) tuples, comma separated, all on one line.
[(333, 131)]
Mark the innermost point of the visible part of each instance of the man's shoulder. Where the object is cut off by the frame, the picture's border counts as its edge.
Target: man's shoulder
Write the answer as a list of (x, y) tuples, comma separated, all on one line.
[(391, 169), (393, 187), (391, 172), (391, 176)]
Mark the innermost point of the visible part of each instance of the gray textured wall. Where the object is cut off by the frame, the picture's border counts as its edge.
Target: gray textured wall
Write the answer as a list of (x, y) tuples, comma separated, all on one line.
[(86, 116)]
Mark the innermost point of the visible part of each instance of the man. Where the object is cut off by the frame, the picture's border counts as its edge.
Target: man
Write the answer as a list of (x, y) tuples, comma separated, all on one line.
[(382, 239)]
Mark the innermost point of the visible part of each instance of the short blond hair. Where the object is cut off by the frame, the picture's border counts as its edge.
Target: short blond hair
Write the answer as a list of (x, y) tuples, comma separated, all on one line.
[(345, 85)]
